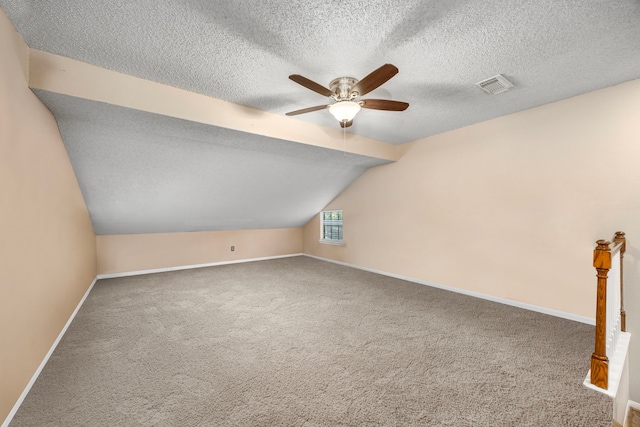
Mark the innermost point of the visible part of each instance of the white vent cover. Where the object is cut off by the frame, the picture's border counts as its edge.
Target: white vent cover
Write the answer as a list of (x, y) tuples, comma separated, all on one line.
[(495, 84)]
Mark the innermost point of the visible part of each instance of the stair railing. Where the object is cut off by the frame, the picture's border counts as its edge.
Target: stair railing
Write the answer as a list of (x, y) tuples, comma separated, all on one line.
[(610, 314)]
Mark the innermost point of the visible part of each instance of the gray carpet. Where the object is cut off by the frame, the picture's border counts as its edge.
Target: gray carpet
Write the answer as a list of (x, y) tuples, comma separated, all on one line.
[(302, 342)]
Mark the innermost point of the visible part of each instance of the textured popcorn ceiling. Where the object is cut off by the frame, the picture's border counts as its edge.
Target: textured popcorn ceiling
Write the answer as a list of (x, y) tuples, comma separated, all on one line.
[(243, 52), (145, 173)]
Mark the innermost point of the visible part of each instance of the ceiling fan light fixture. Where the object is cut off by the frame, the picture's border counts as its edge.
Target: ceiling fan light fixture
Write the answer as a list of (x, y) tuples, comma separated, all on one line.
[(345, 91), (344, 111)]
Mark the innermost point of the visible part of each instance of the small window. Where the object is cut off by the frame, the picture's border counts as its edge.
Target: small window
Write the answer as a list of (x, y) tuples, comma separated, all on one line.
[(331, 227)]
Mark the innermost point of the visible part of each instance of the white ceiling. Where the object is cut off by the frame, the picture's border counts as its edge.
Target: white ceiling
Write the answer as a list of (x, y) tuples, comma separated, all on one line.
[(145, 173), (243, 52)]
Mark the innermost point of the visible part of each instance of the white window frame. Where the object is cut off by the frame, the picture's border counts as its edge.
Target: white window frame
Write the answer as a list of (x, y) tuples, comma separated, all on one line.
[(339, 222)]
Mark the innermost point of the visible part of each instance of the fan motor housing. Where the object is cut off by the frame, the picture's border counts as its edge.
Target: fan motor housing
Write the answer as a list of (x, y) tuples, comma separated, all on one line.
[(341, 88)]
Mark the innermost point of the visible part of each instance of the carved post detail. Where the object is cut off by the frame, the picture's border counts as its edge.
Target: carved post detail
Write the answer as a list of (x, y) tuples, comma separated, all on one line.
[(619, 238), (599, 360)]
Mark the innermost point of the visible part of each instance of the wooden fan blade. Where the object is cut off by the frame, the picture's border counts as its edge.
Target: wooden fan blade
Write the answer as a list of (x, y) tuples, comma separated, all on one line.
[(310, 84), (384, 104), (306, 110), (346, 124), (375, 79)]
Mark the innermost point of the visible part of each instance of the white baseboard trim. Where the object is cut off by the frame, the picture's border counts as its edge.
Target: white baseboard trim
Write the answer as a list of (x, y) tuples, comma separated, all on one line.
[(26, 390), (188, 267), (631, 405), (544, 310)]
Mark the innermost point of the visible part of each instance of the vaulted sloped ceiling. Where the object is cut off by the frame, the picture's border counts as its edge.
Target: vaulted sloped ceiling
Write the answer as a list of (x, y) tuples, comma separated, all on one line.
[(146, 162), (142, 172)]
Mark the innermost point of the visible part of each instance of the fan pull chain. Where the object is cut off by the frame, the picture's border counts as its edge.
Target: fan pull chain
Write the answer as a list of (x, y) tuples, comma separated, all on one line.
[(344, 142)]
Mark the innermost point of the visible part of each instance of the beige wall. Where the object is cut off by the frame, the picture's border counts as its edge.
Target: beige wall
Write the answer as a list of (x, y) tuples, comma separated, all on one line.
[(47, 243), (135, 252), (509, 207)]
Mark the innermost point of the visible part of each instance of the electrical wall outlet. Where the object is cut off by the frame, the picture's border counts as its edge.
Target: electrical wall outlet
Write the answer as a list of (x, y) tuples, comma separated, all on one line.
[(233, 248)]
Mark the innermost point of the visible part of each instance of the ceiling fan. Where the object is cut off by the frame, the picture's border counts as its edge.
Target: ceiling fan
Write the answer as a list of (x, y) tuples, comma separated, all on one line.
[(345, 91)]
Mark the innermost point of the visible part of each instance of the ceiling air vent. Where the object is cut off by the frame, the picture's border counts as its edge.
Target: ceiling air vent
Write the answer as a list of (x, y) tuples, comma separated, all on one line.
[(495, 84)]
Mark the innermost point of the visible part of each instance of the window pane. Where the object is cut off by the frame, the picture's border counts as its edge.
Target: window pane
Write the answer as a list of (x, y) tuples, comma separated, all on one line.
[(331, 227)]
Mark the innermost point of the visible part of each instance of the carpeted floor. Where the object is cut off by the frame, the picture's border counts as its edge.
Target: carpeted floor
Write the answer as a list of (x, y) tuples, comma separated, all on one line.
[(302, 342)]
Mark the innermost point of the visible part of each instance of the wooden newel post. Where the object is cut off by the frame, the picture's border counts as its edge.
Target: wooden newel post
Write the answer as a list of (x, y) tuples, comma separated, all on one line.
[(599, 360), (619, 238)]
